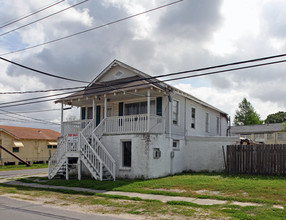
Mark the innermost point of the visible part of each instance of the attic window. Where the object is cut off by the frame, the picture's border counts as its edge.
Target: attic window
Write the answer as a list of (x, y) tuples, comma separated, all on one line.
[(118, 74)]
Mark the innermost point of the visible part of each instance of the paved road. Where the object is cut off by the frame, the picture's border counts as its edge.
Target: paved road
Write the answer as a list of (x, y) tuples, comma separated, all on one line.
[(5, 174), (13, 209)]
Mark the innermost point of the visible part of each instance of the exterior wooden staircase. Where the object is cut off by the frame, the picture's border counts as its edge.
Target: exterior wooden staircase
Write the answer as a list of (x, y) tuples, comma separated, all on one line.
[(88, 149)]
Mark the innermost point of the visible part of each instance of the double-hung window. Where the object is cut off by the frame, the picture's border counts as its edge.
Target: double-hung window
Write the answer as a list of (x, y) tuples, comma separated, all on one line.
[(126, 153), (193, 120), (175, 112), (207, 122)]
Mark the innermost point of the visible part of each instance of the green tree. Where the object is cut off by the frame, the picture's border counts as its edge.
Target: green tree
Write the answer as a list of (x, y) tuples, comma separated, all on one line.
[(284, 126), (278, 117), (246, 115)]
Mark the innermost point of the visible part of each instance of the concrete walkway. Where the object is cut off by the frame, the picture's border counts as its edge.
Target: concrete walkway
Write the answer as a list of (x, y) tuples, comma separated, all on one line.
[(139, 195)]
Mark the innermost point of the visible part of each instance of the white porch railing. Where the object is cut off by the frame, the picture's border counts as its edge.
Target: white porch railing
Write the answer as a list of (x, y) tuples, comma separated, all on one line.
[(117, 124), (133, 124), (74, 127)]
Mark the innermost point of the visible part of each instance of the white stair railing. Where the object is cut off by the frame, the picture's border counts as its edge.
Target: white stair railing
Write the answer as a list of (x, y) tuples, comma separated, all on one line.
[(97, 156), (94, 162), (104, 155), (56, 157)]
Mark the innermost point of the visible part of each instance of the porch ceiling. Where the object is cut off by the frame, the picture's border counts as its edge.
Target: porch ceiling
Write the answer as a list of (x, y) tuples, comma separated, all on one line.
[(116, 96), (116, 90)]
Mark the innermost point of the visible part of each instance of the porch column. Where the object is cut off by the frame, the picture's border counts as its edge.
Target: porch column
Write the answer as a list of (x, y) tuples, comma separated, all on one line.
[(93, 108), (62, 118), (105, 106), (148, 110)]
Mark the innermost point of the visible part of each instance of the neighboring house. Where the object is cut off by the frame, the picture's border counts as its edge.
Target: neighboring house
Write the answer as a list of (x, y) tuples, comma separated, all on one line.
[(265, 133), (135, 126), (33, 145)]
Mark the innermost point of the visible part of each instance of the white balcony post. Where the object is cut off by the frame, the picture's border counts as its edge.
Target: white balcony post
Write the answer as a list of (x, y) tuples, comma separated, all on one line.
[(93, 108), (62, 118), (105, 106), (148, 110), (105, 111), (93, 112)]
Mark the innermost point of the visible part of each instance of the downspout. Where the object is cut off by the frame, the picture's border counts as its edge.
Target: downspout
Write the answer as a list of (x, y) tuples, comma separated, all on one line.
[(185, 119), (148, 110), (170, 133)]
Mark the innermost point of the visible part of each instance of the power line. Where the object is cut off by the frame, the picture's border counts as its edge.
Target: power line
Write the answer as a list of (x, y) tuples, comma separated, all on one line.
[(39, 91), (94, 28), (28, 112), (41, 72), (173, 79), (159, 76), (33, 22), (12, 21), (25, 121), (24, 116)]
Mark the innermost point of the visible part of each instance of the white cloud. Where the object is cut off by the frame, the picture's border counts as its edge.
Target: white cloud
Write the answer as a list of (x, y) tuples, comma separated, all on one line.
[(187, 35)]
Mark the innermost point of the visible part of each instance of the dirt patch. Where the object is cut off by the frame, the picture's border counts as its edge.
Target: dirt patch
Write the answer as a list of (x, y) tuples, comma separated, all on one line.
[(208, 192), (168, 190)]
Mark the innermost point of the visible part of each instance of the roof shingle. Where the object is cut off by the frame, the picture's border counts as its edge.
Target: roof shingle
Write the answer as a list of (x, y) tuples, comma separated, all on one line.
[(30, 133)]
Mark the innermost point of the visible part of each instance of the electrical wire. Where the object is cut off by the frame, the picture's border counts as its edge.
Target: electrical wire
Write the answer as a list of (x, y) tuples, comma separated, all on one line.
[(12, 21), (24, 116), (26, 121), (41, 72), (28, 112), (33, 22), (39, 91), (159, 76), (159, 81), (94, 28)]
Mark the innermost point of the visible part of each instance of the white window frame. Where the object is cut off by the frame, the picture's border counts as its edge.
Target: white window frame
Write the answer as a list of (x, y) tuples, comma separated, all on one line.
[(177, 143), (193, 119), (207, 122), (122, 155), (270, 136), (218, 125), (178, 110), (280, 136)]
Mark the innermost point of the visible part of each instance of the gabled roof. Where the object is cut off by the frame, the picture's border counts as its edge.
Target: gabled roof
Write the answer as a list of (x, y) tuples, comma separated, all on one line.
[(250, 129), (30, 133), (140, 80)]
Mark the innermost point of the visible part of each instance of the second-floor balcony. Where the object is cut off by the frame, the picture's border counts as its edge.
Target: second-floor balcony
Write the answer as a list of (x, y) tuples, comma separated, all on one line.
[(130, 124)]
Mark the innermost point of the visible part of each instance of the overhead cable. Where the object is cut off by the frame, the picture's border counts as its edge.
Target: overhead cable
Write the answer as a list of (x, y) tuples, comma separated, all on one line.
[(15, 29), (147, 83), (94, 28), (24, 116), (12, 21), (39, 91), (41, 72)]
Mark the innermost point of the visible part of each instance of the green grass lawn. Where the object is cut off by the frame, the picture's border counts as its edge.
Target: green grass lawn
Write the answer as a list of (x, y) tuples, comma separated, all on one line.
[(266, 190), (245, 188), (23, 167)]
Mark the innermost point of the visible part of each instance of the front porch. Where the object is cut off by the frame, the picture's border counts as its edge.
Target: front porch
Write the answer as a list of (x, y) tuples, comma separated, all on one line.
[(130, 124)]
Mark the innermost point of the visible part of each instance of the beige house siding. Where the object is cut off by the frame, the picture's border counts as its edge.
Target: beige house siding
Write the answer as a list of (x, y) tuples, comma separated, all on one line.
[(33, 150)]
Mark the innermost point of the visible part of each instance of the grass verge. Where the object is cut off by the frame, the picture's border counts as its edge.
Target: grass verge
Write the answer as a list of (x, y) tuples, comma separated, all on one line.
[(23, 167), (243, 188)]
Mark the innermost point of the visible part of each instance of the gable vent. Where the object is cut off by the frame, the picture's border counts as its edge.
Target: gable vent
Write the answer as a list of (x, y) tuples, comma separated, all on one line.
[(118, 74)]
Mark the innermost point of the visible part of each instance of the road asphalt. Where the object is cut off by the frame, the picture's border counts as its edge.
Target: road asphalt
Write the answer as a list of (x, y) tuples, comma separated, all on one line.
[(14, 209), (15, 173)]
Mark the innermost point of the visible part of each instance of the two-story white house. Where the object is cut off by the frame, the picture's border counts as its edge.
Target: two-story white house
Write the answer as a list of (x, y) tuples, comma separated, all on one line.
[(135, 126)]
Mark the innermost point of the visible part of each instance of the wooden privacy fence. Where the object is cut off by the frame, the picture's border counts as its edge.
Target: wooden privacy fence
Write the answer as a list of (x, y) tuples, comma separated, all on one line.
[(256, 159)]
